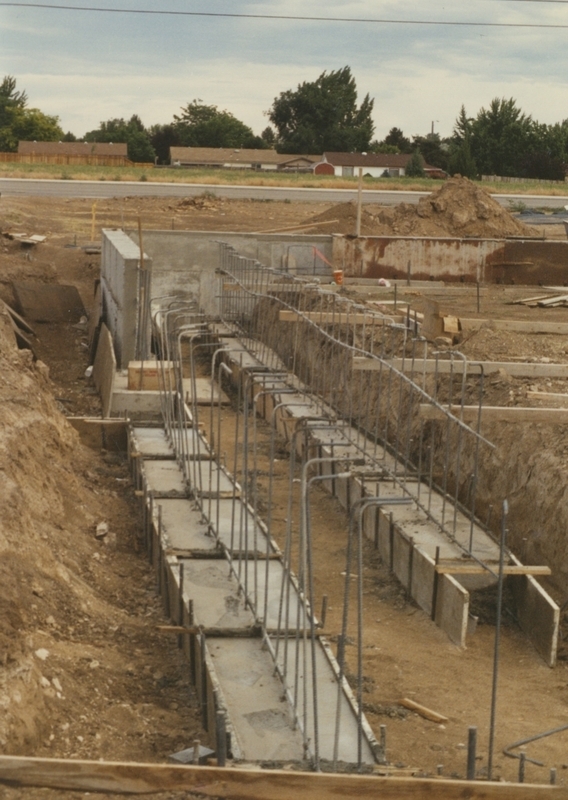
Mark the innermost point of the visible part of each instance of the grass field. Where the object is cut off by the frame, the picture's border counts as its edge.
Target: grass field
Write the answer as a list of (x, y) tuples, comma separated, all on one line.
[(215, 177)]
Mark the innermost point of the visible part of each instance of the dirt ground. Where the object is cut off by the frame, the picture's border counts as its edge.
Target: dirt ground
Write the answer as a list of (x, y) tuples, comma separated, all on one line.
[(110, 685)]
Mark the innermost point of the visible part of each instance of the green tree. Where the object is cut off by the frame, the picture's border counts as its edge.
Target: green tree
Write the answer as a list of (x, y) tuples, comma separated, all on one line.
[(415, 167), (434, 150), (462, 126), (461, 161), (396, 138), (20, 123), (130, 132), (268, 136), (323, 115), (162, 137), (502, 137), (200, 125), (10, 100)]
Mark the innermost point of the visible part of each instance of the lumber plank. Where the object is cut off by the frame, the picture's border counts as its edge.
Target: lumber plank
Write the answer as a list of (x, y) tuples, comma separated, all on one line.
[(478, 569), (252, 784), (17, 319), (514, 368), (339, 318), (425, 712), (557, 416), (534, 299), (520, 326), (558, 398), (552, 301)]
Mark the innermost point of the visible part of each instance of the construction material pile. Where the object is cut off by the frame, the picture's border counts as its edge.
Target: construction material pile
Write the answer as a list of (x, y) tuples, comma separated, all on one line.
[(459, 208)]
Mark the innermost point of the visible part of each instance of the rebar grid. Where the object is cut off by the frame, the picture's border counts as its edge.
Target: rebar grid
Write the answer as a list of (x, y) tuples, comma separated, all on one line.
[(288, 621), (315, 333), (370, 425)]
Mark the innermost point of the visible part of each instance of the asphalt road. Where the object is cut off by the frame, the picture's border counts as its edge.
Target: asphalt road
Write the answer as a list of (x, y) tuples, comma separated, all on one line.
[(104, 189)]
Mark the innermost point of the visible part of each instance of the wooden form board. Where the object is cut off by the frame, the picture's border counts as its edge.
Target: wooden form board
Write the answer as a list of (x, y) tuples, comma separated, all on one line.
[(478, 569), (99, 434), (538, 615), (521, 326), (104, 369), (48, 302), (252, 784), (149, 375), (554, 416), (555, 398), (339, 318), (517, 369)]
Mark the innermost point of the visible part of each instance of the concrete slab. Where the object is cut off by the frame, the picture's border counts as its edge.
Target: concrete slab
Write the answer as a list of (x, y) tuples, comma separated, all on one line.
[(182, 526), (328, 700), (195, 445), (208, 479), (215, 595), (164, 479), (262, 723), (236, 526), (259, 574), (152, 443), (203, 392), (135, 405)]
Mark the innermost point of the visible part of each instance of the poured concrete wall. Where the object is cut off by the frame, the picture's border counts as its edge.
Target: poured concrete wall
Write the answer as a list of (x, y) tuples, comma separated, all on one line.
[(120, 262), (185, 263)]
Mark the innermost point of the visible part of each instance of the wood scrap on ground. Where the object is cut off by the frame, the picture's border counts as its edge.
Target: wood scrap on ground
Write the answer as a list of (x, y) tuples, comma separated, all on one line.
[(425, 712)]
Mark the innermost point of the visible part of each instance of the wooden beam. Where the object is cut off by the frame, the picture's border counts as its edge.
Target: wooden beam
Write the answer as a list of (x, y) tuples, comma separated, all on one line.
[(478, 569), (430, 365), (427, 713), (298, 227), (558, 398), (520, 326), (339, 318), (252, 784), (554, 416)]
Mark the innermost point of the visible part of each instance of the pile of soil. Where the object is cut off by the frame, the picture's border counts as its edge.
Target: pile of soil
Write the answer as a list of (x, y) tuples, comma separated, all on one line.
[(458, 208)]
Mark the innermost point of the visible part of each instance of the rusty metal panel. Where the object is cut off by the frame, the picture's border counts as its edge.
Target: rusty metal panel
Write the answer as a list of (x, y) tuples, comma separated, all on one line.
[(464, 260)]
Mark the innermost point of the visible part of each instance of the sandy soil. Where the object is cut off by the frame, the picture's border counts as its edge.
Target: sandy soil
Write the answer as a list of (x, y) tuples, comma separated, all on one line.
[(110, 686)]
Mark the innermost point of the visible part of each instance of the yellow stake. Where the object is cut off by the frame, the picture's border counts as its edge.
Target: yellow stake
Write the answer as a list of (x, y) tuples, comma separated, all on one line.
[(94, 215)]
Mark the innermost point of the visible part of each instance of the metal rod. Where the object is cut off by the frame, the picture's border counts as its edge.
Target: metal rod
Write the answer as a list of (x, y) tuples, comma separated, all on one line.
[(471, 752), (497, 642)]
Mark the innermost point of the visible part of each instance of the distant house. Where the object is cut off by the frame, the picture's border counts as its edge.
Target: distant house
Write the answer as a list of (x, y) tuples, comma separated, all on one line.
[(297, 163), (240, 158), (224, 158), (375, 165), (98, 153)]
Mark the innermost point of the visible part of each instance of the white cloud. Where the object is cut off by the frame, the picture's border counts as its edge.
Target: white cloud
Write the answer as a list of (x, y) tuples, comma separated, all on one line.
[(91, 67)]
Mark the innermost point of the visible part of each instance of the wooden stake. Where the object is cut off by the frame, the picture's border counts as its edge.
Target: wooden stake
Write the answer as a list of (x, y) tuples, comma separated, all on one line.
[(359, 202), (93, 220)]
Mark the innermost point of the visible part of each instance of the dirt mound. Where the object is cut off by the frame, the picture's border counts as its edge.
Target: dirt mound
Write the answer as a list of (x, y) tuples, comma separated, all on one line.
[(458, 208)]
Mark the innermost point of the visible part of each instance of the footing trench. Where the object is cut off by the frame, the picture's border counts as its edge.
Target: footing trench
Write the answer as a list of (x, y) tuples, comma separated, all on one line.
[(270, 686)]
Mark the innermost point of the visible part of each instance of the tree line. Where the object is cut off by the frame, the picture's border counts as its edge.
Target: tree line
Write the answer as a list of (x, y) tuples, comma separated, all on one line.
[(318, 116)]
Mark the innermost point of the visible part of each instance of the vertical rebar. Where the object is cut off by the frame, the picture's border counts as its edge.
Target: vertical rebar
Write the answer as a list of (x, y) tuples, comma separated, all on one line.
[(497, 641), (471, 752)]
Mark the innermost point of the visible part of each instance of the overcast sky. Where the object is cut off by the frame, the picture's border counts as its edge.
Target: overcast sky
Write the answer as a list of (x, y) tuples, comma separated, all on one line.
[(88, 66)]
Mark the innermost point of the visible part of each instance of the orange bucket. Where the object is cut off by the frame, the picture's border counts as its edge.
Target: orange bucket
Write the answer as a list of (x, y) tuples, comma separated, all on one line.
[(338, 276)]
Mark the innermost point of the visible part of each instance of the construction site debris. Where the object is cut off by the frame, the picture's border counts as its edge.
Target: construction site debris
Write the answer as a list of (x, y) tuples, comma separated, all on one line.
[(459, 208), (425, 712)]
